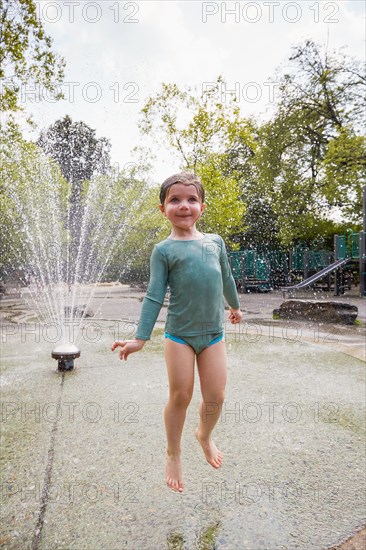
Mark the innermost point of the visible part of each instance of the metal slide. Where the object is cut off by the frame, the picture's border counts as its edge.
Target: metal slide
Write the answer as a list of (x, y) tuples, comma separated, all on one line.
[(318, 275)]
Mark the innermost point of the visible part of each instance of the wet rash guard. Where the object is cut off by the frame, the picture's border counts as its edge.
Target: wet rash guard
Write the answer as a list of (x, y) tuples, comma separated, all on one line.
[(199, 276)]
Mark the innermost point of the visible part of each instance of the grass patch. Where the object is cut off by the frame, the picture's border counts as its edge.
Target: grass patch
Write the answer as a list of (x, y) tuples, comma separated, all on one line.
[(175, 541), (207, 538)]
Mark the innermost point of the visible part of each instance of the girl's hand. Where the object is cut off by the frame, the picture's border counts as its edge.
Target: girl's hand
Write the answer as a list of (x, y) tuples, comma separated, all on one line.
[(235, 316), (128, 346)]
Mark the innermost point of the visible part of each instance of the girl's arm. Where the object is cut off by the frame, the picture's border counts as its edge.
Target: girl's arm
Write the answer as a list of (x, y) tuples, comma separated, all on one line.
[(229, 287), (151, 305), (155, 294)]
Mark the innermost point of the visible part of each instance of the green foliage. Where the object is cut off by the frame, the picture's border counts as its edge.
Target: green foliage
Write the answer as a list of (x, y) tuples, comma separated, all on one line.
[(74, 146), (144, 225), (80, 155), (309, 161), (193, 125), (32, 184), (224, 212), (326, 87), (117, 224), (312, 152), (345, 173), (26, 55)]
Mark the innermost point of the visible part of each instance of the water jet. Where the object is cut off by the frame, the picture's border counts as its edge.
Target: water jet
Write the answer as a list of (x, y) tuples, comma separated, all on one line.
[(62, 244)]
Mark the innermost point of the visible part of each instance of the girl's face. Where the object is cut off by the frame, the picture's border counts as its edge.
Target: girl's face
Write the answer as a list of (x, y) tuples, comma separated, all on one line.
[(182, 205)]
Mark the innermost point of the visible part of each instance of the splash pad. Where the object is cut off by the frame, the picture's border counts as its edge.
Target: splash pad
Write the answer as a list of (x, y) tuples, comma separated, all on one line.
[(292, 434)]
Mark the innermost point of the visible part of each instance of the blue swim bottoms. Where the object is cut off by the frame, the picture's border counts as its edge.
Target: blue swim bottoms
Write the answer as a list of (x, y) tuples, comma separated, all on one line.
[(198, 343)]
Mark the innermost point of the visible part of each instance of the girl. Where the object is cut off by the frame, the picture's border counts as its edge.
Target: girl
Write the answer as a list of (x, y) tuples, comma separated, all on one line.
[(196, 268)]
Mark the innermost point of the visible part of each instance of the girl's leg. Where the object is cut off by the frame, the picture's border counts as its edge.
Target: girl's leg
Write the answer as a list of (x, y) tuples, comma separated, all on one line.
[(212, 370), (179, 360)]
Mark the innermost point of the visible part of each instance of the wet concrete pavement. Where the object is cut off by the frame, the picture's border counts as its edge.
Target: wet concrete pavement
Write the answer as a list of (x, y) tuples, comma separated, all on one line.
[(83, 452)]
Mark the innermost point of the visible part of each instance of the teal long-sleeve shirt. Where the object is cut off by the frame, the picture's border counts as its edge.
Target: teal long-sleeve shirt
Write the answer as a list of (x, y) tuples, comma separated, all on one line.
[(199, 276)]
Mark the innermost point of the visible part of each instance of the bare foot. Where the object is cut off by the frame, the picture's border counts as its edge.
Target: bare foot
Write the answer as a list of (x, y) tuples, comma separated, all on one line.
[(212, 454), (174, 473)]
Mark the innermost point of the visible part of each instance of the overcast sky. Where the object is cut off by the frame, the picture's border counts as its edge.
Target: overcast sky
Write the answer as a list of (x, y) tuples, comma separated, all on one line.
[(118, 54)]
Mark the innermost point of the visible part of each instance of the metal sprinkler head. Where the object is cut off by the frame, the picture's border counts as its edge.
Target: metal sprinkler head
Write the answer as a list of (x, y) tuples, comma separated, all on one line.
[(65, 354)]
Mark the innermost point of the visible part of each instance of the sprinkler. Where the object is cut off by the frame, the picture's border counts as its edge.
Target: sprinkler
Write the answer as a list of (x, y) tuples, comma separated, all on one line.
[(65, 354)]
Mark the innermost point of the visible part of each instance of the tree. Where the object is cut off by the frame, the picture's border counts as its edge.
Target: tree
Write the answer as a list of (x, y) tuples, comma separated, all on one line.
[(322, 104), (143, 226), (309, 158), (80, 155), (345, 173), (328, 87), (199, 128), (26, 55), (194, 125), (225, 210), (117, 225), (76, 149)]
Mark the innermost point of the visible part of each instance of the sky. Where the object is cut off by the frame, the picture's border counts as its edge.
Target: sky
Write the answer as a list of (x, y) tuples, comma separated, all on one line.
[(119, 53)]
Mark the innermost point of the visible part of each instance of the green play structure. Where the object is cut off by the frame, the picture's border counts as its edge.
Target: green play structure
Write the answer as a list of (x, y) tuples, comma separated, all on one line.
[(302, 267)]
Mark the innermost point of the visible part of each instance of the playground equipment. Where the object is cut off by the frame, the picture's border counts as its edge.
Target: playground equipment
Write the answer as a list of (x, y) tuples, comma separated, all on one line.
[(348, 249), (251, 270), (262, 272)]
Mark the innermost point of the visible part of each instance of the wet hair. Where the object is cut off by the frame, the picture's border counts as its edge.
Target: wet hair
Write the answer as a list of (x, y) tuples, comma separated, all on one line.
[(186, 179)]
